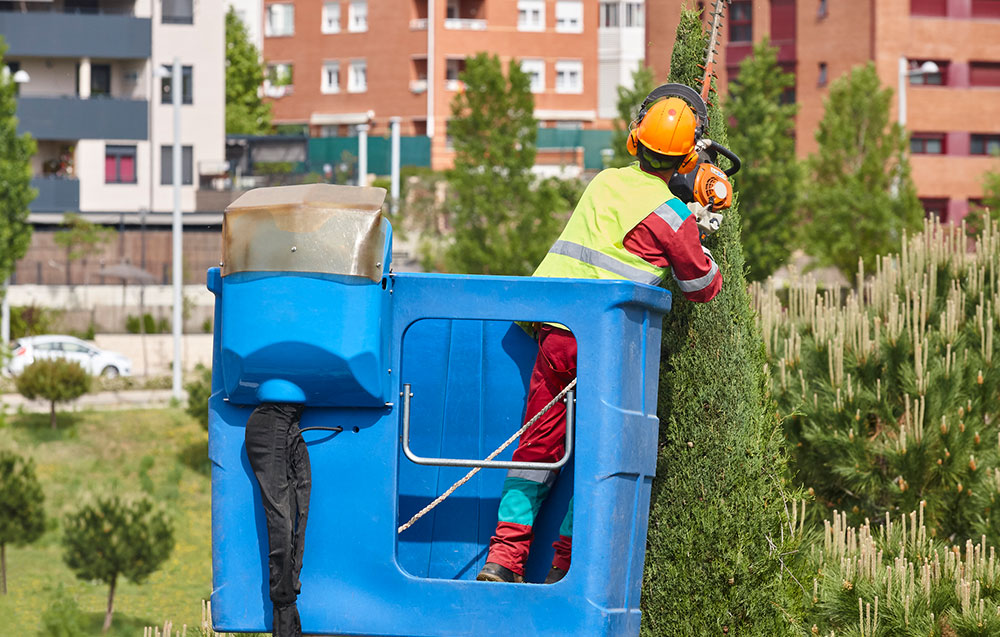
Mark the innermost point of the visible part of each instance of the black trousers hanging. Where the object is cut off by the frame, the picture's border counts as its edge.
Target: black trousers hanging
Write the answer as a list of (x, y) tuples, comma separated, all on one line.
[(280, 461)]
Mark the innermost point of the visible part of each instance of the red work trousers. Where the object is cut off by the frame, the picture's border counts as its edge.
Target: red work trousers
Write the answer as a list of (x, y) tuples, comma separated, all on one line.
[(545, 441)]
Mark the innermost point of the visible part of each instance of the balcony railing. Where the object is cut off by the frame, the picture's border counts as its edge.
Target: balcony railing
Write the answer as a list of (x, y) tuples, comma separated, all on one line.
[(464, 24), (53, 34), (418, 86), (55, 194), (418, 24), (69, 117)]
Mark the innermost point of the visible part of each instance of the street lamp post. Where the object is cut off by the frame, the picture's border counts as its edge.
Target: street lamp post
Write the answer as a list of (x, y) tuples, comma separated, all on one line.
[(905, 73), (176, 227)]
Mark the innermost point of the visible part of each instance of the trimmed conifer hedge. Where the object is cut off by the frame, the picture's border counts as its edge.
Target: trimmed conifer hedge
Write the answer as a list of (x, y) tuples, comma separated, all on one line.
[(716, 529)]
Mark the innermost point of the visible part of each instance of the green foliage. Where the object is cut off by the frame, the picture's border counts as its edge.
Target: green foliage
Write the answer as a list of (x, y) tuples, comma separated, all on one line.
[(890, 398), (62, 616), (110, 537), (55, 380), (246, 112), (503, 221), (771, 178), (22, 517), (894, 579), (82, 238), (861, 199), (714, 544), (199, 390), (31, 320), (629, 100), (990, 204), (15, 175), (149, 324)]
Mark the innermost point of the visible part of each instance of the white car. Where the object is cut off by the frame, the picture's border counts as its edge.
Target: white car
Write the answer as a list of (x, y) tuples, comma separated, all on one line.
[(27, 350)]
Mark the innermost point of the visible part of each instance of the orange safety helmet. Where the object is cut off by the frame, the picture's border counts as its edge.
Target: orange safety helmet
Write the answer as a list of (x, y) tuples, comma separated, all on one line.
[(667, 127)]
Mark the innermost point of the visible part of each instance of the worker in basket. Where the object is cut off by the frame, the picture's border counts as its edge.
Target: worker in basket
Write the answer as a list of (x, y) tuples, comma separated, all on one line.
[(628, 225)]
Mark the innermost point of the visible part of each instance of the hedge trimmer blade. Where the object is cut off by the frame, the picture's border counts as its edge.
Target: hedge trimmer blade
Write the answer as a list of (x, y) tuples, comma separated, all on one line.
[(713, 42)]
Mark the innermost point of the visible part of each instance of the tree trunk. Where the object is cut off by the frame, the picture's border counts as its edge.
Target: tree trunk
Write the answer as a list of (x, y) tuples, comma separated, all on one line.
[(3, 569), (52, 414), (111, 605)]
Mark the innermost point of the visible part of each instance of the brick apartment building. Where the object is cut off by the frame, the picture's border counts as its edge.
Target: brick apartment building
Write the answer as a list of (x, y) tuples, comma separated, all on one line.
[(334, 65), (953, 115)]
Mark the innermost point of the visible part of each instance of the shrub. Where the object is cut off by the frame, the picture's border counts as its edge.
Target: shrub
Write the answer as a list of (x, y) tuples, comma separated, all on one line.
[(22, 517), (890, 398), (150, 324), (199, 390), (110, 537), (62, 617), (55, 380)]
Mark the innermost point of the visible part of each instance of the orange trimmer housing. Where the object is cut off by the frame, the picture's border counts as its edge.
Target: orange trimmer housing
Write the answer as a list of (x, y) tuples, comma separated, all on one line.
[(712, 188)]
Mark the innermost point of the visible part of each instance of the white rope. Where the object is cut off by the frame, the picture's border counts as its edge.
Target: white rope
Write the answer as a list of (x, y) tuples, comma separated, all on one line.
[(427, 509)]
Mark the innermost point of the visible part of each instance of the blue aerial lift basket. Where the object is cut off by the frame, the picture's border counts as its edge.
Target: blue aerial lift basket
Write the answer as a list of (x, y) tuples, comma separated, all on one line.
[(307, 311)]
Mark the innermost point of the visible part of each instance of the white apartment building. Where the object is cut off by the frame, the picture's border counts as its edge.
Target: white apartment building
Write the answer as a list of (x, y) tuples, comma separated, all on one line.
[(102, 114), (621, 48)]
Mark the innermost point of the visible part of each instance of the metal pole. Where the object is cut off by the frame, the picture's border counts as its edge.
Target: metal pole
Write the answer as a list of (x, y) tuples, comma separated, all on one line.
[(394, 203), (363, 155), (431, 22), (177, 231), (903, 79), (5, 314)]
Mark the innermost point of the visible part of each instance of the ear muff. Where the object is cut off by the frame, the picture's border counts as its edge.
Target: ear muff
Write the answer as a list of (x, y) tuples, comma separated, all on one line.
[(689, 162), (632, 143)]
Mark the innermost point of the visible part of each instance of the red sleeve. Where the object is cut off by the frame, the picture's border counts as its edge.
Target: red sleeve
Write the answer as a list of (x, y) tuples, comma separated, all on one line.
[(655, 240)]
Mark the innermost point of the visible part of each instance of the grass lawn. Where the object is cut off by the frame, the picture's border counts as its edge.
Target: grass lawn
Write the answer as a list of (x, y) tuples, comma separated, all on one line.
[(159, 452)]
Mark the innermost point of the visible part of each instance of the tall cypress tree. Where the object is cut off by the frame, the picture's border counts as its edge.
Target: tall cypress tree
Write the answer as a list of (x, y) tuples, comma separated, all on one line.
[(714, 544), (15, 176)]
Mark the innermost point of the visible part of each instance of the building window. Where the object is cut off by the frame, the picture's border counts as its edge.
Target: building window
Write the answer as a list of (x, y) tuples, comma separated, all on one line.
[(741, 21), (530, 15), (535, 70), (935, 207), (12, 68), (930, 79), (984, 144), (452, 11), (984, 73), (569, 76), (331, 78), (931, 8), (634, 15), (279, 79), (821, 80), (986, 9), (100, 80), (357, 17), (187, 85), (178, 12), (927, 144), (331, 17), (280, 20), (821, 11), (609, 15), (167, 165), (569, 16), (357, 76), (119, 164)]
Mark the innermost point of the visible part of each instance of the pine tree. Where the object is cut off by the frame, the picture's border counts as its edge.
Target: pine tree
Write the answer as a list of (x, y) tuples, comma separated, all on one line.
[(110, 538), (629, 100), (15, 175), (861, 198), (504, 222), (246, 112), (22, 518), (771, 178), (712, 558)]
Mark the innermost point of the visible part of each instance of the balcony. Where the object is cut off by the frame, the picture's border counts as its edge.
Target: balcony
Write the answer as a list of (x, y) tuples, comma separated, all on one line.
[(52, 34), (62, 118), (463, 24), (418, 24), (418, 86), (55, 194)]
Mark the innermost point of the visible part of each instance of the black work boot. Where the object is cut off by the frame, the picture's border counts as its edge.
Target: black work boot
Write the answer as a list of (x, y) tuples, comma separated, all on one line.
[(496, 573), (555, 574)]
